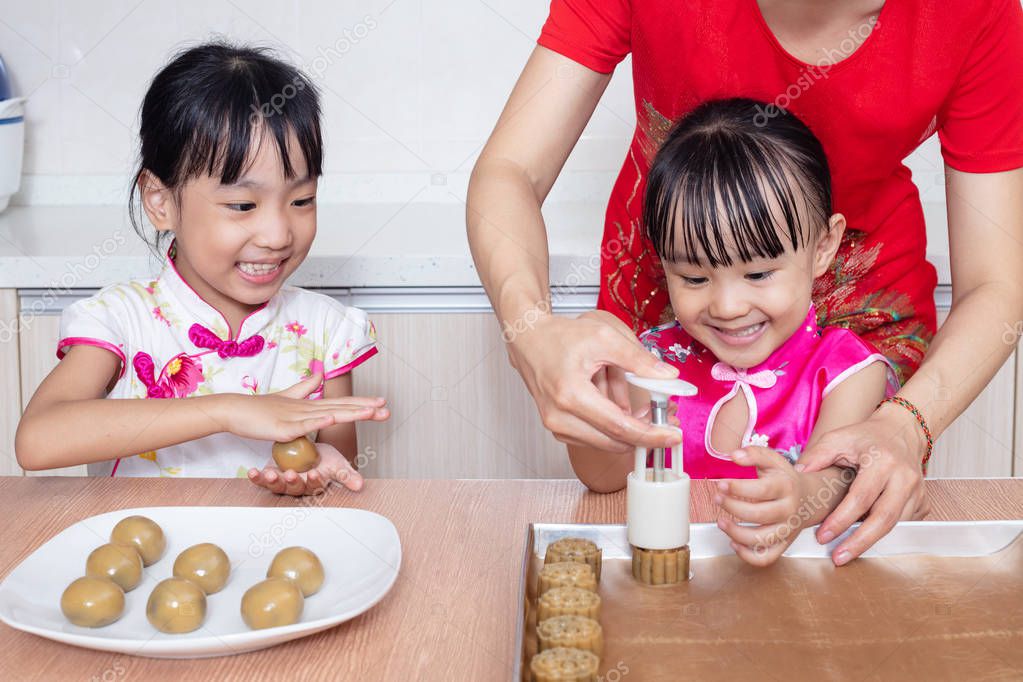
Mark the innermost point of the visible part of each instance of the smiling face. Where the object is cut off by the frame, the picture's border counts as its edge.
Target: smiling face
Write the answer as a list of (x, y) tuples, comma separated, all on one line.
[(237, 243), (743, 312), (739, 210)]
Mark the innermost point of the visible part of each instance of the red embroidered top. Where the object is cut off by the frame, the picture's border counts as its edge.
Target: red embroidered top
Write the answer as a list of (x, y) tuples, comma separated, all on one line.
[(925, 66)]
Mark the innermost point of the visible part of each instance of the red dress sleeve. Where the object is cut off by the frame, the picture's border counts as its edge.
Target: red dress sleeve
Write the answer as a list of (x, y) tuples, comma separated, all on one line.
[(981, 122), (594, 33)]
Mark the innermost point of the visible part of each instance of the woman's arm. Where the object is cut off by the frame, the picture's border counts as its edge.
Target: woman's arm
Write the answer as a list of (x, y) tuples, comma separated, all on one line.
[(69, 421), (985, 226), (556, 356), (541, 122), (985, 222)]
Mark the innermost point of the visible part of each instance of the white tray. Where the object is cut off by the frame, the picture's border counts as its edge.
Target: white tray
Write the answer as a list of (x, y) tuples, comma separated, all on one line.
[(360, 551), (937, 538)]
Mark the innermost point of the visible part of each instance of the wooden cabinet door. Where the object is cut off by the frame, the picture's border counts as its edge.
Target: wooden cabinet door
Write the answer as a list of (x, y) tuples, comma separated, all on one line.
[(980, 442), (38, 350), (458, 409), (10, 381)]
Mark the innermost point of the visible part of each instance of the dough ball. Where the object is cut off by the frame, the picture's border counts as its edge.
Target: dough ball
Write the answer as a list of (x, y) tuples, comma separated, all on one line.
[(92, 602), (298, 564), (204, 564), (272, 603), (299, 455), (176, 606), (120, 563), (144, 534)]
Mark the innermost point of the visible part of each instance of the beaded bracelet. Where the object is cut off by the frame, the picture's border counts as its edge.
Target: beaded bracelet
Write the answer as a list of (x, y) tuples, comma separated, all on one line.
[(920, 420)]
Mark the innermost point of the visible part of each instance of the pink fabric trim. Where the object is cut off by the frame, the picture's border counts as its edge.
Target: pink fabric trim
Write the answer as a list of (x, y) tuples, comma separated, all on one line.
[(751, 421), (98, 343), (351, 365), (849, 371), (113, 471)]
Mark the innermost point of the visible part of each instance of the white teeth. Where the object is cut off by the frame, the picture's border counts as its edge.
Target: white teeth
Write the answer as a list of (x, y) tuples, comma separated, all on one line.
[(257, 269), (745, 331)]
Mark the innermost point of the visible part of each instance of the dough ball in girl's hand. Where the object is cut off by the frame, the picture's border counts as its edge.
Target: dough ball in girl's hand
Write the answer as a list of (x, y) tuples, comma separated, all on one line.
[(299, 455)]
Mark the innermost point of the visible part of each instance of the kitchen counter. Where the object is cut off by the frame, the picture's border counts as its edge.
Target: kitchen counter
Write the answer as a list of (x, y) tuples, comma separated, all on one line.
[(358, 245), (451, 614)]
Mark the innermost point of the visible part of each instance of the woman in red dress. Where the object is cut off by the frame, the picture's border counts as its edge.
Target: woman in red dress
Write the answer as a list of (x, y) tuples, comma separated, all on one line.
[(873, 80)]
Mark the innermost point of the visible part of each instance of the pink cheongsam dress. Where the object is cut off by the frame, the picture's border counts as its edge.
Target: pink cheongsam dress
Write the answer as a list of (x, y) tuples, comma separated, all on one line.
[(783, 393)]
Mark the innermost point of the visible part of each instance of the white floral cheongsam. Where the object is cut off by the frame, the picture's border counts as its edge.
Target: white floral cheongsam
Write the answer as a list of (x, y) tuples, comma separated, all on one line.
[(172, 344)]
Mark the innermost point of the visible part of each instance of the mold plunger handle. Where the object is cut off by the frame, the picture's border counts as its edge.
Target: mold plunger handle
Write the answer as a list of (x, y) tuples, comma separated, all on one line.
[(640, 464), (659, 417), (660, 391)]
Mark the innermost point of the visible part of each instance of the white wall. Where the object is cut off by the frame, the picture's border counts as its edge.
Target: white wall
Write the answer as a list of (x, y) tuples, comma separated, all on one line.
[(411, 89)]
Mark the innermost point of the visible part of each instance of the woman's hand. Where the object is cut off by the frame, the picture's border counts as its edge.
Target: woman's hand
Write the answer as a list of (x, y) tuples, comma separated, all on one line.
[(772, 501), (574, 370), (286, 415), (333, 468), (886, 451)]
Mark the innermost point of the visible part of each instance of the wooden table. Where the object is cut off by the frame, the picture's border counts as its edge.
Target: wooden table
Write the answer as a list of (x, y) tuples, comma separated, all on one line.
[(451, 614)]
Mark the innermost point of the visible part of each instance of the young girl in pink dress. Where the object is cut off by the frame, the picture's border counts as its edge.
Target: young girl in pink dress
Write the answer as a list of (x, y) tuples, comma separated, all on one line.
[(739, 210)]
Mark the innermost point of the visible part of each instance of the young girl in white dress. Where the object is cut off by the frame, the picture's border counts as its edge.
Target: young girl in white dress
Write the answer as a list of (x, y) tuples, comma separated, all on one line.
[(198, 371)]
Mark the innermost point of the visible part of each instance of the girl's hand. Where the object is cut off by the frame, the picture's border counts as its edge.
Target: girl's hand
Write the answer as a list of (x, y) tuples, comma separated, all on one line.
[(772, 501), (286, 415), (886, 451), (333, 468)]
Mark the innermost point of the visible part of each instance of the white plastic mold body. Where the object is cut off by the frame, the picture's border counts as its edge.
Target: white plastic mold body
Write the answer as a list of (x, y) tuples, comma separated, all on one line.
[(657, 502)]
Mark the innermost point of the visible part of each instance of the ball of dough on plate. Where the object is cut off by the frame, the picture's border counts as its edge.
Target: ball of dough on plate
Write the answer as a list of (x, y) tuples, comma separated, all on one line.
[(298, 564), (204, 564), (120, 563), (142, 533), (92, 602), (176, 606), (272, 603)]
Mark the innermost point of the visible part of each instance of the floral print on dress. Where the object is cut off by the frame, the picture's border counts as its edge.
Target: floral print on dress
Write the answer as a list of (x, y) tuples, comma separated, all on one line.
[(164, 471), (296, 328), (251, 385), (652, 340), (179, 378), (885, 317), (792, 454), (757, 439)]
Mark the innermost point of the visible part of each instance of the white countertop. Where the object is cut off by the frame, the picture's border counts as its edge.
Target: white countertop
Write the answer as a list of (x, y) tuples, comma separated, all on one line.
[(358, 245)]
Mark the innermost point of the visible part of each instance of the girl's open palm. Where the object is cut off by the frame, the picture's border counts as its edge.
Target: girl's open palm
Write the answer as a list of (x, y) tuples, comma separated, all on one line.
[(333, 468)]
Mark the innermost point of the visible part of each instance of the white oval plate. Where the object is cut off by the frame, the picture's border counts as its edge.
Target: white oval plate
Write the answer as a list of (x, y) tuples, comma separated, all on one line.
[(360, 551)]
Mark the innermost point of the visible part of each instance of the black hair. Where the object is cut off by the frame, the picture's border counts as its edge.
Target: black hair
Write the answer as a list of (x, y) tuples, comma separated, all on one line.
[(728, 161), (201, 111)]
